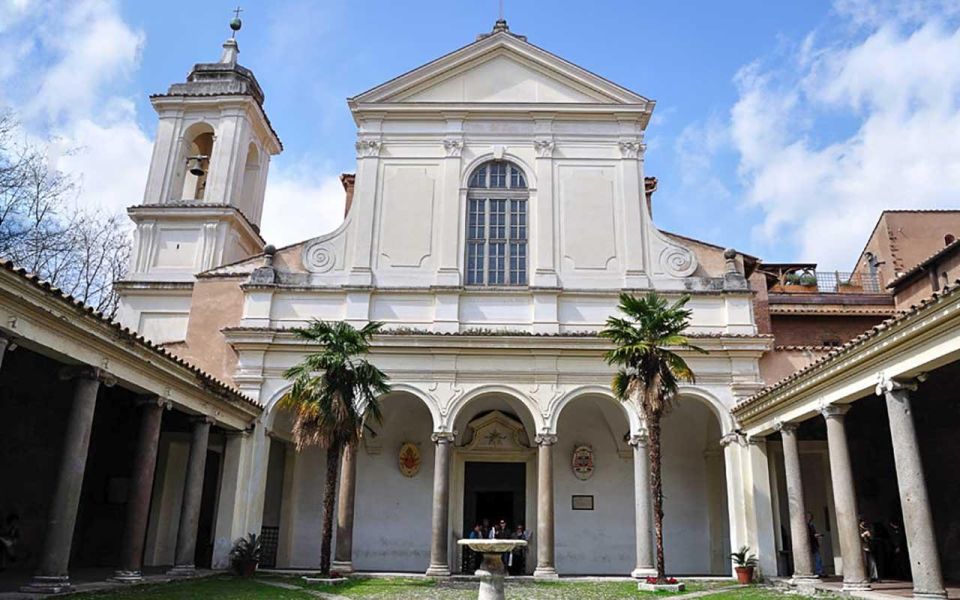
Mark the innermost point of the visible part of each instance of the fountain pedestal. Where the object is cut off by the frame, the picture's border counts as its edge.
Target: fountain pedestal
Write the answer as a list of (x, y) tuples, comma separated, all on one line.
[(491, 570)]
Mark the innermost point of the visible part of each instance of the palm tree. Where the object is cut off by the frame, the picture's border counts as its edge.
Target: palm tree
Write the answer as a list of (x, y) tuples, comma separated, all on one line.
[(335, 390), (648, 372)]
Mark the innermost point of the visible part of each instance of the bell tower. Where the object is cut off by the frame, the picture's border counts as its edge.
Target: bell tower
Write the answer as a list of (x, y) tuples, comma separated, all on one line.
[(204, 193)]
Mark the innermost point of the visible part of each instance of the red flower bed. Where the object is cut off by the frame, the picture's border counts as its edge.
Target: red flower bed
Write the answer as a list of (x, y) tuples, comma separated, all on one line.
[(668, 580)]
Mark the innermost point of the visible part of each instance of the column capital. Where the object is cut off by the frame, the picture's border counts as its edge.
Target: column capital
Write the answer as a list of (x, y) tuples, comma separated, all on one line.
[(453, 147), (639, 439), (834, 410), (545, 439), (443, 437), (163, 403), (786, 426), (86, 372), (196, 419), (733, 437), (886, 385), (544, 147)]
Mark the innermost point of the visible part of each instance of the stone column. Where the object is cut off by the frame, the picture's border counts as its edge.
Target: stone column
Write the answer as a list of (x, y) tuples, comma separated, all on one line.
[(799, 536), (644, 516), (343, 559), (52, 574), (845, 499), (914, 501), (141, 489), (439, 564), (545, 524), (183, 560), (5, 344)]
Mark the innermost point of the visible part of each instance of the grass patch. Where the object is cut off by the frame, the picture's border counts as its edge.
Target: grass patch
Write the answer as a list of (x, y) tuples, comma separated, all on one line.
[(209, 588), (408, 588)]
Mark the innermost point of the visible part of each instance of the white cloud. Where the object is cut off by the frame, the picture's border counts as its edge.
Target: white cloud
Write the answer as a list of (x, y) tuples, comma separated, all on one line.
[(301, 202), (899, 84), (65, 74)]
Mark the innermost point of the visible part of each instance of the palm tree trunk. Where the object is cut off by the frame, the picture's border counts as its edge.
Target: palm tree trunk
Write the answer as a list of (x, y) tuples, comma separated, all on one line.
[(329, 501), (656, 489)]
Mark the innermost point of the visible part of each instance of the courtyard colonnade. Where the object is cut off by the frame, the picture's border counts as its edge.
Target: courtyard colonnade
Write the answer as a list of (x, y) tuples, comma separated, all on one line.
[(448, 421), (885, 405)]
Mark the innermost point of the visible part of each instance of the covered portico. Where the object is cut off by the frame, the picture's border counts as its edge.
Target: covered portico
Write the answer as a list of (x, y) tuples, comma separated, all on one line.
[(124, 454), (885, 407), (492, 424)]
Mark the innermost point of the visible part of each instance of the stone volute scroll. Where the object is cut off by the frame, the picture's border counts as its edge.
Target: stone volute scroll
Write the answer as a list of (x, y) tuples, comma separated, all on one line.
[(319, 256)]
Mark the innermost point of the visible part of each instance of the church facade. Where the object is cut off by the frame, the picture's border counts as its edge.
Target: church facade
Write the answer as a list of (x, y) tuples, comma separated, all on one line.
[(499, 207)]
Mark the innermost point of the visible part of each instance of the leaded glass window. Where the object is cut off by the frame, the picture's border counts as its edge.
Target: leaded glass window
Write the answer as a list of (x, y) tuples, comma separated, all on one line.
[(497, 225)]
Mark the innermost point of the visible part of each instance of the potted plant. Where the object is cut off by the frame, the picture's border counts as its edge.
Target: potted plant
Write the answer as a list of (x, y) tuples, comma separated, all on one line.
[(245, 555), (798, 282), (744, 563)]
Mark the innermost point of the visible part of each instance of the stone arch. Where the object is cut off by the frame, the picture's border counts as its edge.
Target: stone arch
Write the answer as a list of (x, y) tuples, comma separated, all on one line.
[(532, 420), (196, 154), (556, 407), (528, 171), (719, 410), (270, 408)]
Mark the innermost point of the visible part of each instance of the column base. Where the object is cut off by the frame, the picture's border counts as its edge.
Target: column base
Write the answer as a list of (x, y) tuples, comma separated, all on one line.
[(856, 586), (643, 572), (48, 584), (438, 571), (344, 567), (182, 571), (802, 581), (930, 595), (127, 576), (545, 573)]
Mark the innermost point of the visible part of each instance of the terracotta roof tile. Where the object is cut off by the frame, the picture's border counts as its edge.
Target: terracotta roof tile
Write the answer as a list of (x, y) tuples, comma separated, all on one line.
[(126, 333), (835, 353)]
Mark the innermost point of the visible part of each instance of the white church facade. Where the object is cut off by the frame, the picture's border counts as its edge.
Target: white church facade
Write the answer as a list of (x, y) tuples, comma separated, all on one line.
[(499, 207)]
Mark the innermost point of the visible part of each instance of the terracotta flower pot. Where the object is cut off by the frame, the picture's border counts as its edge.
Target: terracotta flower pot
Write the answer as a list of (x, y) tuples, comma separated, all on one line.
[(744, 575), (248, 568)]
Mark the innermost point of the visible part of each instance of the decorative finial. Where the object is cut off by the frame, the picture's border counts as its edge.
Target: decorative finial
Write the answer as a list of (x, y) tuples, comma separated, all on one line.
[(236, 23)]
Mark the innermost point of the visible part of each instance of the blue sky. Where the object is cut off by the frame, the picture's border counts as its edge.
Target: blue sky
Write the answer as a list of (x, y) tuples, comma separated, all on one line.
[(781, 128)]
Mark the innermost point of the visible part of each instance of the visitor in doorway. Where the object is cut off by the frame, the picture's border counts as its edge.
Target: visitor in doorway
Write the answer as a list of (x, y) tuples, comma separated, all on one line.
[(9, 539), (486, 528), (518, 560), (478, 533), (869, 550), (503, 533), (815, 536), (473, 558), (899, 559)]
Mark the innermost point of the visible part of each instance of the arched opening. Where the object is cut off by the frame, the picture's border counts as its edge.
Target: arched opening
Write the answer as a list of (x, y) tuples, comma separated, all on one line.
[(694, 490), (393, 502), (496, 252), (594, 509), (493, 474), (251, 182), (195, 157)]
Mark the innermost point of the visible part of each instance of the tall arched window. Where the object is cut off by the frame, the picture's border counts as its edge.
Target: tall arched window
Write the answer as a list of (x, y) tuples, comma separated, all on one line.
[(497, 225)]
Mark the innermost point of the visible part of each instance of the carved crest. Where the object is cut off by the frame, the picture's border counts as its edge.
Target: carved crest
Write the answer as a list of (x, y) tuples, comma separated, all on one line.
[(496, 431), (583, 462), (409, 459)]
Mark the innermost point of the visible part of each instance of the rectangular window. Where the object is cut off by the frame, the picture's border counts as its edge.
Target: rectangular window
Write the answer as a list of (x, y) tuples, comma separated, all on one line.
[(496, 241)]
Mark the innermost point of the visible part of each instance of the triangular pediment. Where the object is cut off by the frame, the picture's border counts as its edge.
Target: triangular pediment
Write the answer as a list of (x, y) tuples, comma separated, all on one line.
[(500, 69)]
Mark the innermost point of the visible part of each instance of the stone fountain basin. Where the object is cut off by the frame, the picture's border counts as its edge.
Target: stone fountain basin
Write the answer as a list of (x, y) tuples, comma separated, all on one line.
[(492, 546)]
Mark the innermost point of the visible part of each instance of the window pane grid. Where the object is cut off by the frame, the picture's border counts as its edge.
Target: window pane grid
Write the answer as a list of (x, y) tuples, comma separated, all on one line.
[(497, 227)]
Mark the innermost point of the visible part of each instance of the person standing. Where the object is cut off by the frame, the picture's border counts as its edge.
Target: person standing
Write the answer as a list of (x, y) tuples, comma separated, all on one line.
[(866, 544), (899, 556), (518, 559), (815, 536)]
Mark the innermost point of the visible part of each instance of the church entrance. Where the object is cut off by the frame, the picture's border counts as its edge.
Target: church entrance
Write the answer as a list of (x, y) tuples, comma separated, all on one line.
[(494, 491)]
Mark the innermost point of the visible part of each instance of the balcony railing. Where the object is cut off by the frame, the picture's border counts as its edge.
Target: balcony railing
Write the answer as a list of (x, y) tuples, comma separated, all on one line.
[(827, 282)]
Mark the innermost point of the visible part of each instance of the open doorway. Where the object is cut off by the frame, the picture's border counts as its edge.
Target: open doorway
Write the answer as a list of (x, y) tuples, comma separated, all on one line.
[(494, 491)]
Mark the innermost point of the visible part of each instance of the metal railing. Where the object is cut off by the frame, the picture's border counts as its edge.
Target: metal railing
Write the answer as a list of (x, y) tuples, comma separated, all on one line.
[(829, 282)]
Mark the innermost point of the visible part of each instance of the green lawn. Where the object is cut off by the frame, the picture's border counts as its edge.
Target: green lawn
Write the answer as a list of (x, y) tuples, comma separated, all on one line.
[(228, 588)]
